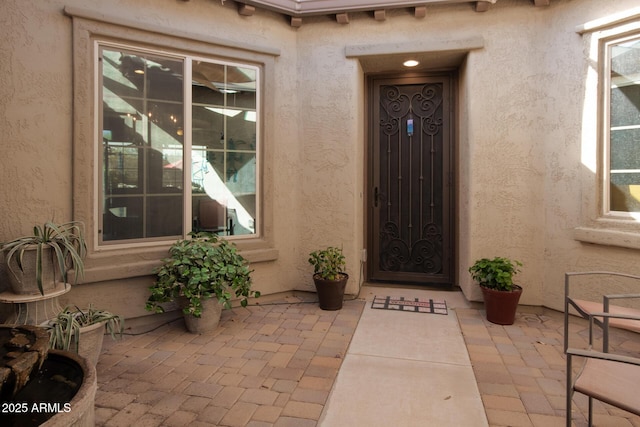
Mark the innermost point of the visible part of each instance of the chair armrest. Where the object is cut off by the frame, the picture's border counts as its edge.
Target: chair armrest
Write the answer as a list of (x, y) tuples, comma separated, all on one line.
[(569, 301), (603, 356), (622, 296), (607, 298), (601, 273), (603, 318), (569, 275), (614, 316)]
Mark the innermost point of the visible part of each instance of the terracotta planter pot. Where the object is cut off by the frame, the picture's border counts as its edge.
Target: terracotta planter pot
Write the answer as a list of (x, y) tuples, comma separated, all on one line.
[(330, 292), (208, 322), (501, 305)]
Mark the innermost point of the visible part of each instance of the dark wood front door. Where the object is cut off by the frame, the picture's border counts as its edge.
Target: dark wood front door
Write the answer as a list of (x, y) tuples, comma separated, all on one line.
[(411, 210)]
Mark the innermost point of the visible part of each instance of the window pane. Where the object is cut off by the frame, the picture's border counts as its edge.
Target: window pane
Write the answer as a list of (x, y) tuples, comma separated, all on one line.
[(142, 146), (241, 182), (625, 192), (208, 128), (624, 141), (224, 148), (142, 151), (164, 216)]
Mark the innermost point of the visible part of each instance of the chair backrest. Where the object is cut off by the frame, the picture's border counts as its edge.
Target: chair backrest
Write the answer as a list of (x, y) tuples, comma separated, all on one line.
[(211, 214)]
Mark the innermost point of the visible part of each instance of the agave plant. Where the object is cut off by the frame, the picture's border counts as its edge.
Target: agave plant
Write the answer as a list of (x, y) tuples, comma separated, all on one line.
[(64, 330), (66, 241)]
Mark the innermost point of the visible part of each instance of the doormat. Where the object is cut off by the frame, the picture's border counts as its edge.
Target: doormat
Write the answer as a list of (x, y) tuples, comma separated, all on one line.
[(415, 305)]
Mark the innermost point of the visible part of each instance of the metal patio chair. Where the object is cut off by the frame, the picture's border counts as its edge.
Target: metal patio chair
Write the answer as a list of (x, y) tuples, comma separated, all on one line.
[(629, 317), (608, 377)]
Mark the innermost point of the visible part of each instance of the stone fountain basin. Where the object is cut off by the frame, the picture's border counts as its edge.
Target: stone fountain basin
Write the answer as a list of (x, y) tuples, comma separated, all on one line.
[(59, 393)]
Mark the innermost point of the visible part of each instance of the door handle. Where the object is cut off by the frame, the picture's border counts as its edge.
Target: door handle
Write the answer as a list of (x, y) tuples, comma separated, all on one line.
[(375, 197)]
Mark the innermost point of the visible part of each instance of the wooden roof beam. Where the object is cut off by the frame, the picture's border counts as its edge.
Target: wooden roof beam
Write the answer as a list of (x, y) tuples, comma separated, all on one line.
[(342, 18), (420, 11), (541, 2), (246, 10), (380, 15), (296, 21), (482, 6)]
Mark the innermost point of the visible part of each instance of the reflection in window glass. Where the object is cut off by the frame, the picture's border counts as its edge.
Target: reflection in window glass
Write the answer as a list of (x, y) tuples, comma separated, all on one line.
[(624, 140), (144, 139), (224, 148)]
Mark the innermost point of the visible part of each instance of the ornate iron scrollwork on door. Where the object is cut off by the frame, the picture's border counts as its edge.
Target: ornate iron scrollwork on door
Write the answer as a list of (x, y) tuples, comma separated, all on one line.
[(411, 178)]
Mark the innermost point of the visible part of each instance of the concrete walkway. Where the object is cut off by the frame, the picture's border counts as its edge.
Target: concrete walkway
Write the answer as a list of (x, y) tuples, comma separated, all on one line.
[(406, 369)]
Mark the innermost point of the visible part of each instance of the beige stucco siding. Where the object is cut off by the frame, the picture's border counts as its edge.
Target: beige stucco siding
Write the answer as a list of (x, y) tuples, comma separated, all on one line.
[(525, 135)]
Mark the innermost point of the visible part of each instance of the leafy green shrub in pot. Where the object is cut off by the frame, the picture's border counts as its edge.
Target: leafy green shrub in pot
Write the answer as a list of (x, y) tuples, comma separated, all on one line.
[(329, 277), (201, 267), (496, 273), (328, 263), (501, 295)]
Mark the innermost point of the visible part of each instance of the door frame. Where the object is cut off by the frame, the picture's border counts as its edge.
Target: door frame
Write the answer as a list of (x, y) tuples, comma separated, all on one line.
[(370, 156)]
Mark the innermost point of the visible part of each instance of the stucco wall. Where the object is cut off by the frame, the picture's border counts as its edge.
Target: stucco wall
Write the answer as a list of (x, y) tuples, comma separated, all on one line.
[(36, 116), (571, 153), (331, 149), (521, 182), (501, 103)]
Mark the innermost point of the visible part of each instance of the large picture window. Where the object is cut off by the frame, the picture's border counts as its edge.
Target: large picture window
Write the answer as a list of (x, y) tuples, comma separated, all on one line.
[(179, 145), (623, 100)]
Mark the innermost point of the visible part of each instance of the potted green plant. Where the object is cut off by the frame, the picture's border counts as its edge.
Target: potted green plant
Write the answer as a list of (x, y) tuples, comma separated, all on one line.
[(82, 331), (33, 262), (203, 269), (329, 276), (501, 295)]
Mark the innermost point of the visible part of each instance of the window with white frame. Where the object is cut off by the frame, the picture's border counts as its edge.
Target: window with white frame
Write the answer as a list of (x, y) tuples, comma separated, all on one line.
[(622, 130), (179, 145)]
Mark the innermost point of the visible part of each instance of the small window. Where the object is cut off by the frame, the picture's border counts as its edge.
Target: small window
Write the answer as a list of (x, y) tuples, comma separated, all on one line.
[(623, 99), (179, 145)]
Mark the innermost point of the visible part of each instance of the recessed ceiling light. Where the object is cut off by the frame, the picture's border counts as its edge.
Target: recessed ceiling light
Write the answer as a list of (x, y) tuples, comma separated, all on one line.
[(410, 63)]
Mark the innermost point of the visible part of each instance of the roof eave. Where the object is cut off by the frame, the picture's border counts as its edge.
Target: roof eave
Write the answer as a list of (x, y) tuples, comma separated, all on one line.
[(300, 8)]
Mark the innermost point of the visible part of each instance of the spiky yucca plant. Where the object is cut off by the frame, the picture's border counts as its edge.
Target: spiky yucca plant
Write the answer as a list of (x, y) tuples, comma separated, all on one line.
[(65, 328), (65, 240)]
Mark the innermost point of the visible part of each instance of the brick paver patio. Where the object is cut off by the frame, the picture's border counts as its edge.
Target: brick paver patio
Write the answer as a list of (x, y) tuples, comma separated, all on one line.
[(264, 365), (520, 368), (274, 365)]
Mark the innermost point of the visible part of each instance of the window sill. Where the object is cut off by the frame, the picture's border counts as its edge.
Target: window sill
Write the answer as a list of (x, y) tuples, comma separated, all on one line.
[(140, 268), (608, 237)]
